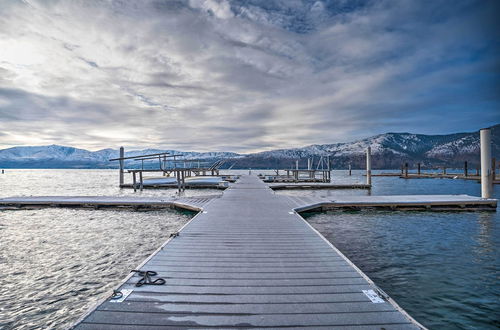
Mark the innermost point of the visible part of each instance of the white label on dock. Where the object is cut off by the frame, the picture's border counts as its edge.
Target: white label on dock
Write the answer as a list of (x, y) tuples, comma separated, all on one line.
[(291, 212), (373, 296), (205, 212), (125, 294)]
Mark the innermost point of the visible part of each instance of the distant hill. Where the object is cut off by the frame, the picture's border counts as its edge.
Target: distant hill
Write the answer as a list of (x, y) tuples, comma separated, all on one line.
[(389, 150)]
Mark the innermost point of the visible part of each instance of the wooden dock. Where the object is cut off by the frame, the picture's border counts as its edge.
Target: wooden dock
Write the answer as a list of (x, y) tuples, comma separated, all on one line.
[(248, 261), (395, 202), (187, 203), (309, 186)]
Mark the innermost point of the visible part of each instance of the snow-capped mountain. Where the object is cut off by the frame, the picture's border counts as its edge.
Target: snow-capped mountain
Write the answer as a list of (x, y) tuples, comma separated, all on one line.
[(389, 150), (55, 156)]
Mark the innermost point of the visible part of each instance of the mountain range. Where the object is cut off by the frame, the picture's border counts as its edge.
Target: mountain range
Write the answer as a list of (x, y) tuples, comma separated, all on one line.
[(389, 150)]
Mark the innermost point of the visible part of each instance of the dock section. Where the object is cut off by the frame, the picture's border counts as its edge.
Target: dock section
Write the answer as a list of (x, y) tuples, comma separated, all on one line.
[(314, 186), (395, 202), (187, 203), (248, 261)]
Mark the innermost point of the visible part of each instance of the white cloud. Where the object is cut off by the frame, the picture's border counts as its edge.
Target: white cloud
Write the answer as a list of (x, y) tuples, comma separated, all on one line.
[(215, 75)]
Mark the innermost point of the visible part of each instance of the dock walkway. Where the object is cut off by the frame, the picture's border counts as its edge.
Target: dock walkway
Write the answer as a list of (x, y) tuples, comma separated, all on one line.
[(249, 261)]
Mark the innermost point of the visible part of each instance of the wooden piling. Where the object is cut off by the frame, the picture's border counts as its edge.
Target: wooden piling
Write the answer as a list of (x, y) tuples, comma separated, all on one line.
[(406, 170), (493, 169), (350, 170), (122, 165), (134, 181), (418, 168), (141, 181), (465, 169)]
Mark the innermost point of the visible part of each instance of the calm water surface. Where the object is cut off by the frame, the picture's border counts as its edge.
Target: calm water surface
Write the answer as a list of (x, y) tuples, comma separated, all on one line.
[(443, 268)]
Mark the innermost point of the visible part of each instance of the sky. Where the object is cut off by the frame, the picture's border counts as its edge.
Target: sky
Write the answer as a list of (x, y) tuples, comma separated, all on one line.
[(244, 76)]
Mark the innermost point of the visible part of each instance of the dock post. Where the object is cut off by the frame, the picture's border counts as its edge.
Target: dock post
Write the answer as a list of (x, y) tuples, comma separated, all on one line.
[(465, 169), (329, 167), (178, 178), (406, 170), (297, 165), (134, 181), (350, 170), (369, 165), (493, 169), (122, 163), (183, 180), (141, 182), (418, 168), (444, 170), (486, 182)]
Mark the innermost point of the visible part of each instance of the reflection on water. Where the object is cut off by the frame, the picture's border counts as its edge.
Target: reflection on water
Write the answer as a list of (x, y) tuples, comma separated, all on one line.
[(56, 263), (78, 183), (485, 232)]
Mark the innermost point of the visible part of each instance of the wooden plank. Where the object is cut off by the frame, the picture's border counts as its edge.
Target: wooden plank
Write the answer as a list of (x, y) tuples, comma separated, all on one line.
[(262, 320), (98, 326), (324, 308)]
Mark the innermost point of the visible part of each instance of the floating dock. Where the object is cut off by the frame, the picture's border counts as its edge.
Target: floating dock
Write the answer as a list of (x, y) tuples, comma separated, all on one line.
[(299, 204), (187, 203), (395, 202), (305, 186), (248, 261)]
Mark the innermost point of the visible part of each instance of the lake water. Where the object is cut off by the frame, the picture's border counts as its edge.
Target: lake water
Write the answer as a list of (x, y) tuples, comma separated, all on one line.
[(443, 268)]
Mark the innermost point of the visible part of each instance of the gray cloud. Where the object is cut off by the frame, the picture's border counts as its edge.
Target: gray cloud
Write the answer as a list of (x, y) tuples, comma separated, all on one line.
[(243, 75)]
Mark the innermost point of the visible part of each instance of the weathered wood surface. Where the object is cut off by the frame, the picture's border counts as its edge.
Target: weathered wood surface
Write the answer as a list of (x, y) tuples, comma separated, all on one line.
[(249, 261), (190, 203)]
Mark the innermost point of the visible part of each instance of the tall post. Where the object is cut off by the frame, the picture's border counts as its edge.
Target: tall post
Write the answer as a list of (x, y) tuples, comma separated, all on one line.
[(122, 163), (328, 177), (486, 183), (178, 177), (418, 168), (493, 169), (134, 181), (406, 170), (350, 170), (369, 165), (466, 170), (141, 182)]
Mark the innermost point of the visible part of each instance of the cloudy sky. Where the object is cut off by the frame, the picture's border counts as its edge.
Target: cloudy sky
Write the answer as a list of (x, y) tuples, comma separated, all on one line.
[(245, 75)]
